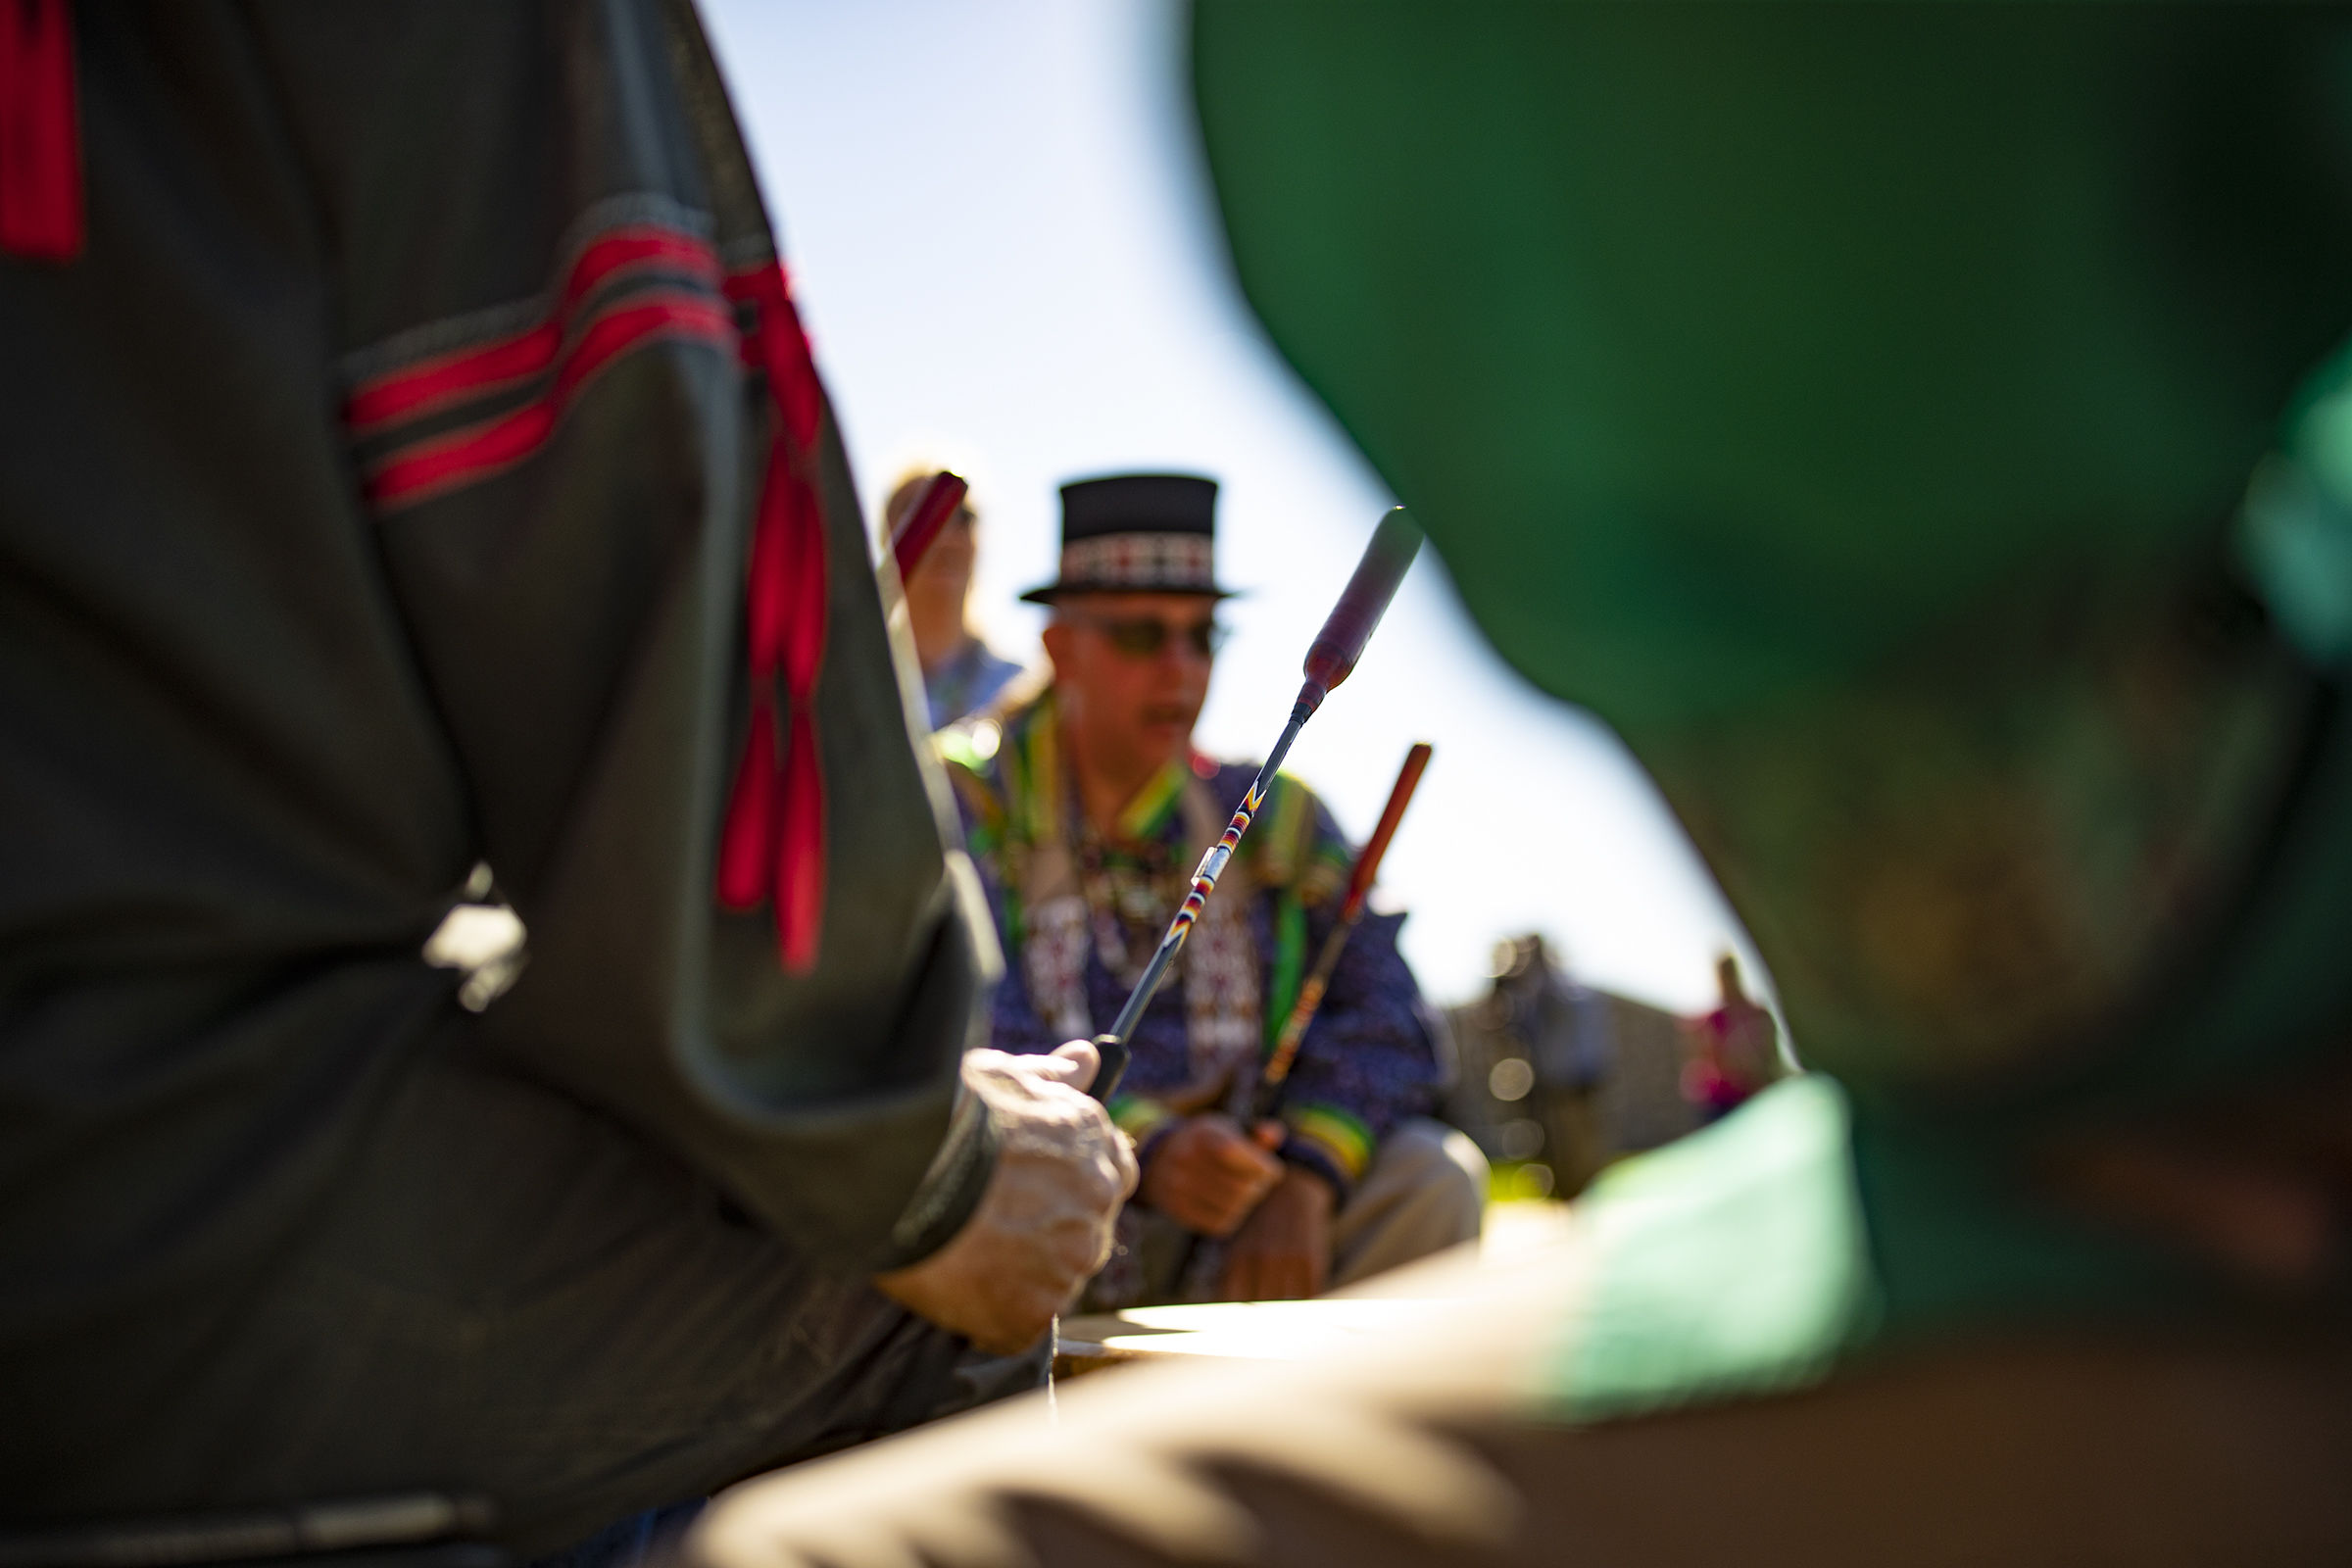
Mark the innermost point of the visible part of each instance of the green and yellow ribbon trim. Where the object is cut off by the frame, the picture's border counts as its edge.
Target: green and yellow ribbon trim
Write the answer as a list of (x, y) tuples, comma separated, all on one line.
[(1138, 1117), (1144, 816), (1339, 1136)]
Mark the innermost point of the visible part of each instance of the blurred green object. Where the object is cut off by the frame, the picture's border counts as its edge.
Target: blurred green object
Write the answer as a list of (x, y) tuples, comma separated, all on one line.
[(1723, 347), (1914, 427)]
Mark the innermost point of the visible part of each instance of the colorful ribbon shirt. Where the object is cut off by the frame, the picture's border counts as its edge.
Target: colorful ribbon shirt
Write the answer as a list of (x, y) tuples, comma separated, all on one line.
[(1080, 913)]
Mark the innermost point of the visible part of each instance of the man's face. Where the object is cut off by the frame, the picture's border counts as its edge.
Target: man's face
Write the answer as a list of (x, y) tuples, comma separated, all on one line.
[(1132, 671)]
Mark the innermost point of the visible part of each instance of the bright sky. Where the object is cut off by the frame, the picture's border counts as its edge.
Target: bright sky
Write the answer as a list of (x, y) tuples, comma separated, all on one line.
[(1004, 243)]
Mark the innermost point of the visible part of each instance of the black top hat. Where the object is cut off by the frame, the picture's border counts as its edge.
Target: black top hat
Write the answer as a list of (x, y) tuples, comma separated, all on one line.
[(1137, 533)]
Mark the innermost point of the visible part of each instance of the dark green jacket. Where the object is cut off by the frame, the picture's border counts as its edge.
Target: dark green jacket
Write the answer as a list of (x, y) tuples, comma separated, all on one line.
[(374, 497)]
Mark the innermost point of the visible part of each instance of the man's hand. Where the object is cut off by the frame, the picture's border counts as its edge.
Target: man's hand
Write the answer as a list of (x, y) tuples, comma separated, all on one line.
[(1042, 1226), (1208, 1175), (1283, 1251)]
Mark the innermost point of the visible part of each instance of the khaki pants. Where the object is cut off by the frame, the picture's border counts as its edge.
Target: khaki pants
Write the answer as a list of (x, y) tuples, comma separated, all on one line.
[(1424, 1192)]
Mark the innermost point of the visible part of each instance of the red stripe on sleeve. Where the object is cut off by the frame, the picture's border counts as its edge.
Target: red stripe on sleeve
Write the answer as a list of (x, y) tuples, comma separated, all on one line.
[(436, 383), (614, 333), (439, 382), (478, 451), (635, 249)]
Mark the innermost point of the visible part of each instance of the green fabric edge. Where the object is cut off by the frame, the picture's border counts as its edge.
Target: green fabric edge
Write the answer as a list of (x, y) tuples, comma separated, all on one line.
[(1732, 1263)]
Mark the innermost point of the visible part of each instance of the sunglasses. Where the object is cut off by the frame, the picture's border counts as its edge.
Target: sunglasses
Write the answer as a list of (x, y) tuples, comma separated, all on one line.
[(1145, 636)]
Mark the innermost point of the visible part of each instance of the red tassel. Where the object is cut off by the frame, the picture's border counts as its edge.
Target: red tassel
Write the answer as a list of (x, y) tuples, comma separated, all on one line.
[(801, 849), (767, 592), (747, 844), (803, 626), (774, 846), (40, 139), (783, 349)]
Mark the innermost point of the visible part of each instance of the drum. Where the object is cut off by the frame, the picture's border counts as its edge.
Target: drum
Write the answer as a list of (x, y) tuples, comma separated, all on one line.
[(1223, 1331)]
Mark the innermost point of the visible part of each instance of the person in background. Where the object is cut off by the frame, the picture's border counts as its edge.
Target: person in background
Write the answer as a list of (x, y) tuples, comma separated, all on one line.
[(1735, 1049), (961, 673), (1561, 1030), (1088, 807)]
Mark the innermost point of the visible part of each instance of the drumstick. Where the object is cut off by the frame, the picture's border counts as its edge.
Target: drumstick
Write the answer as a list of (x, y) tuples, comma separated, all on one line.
[(933, 506), (1202, 1260), (1330, 659), (1268, 1092)]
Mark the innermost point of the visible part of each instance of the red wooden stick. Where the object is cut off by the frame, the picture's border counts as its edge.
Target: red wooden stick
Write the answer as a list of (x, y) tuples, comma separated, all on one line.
[(1368, 864), (1352, 910)]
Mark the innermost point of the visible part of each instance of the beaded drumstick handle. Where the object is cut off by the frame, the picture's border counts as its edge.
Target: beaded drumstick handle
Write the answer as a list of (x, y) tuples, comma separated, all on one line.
[(1330, 659)]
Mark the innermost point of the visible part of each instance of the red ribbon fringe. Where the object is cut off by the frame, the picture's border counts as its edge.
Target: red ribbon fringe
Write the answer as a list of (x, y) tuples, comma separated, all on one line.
[(772, 844), (40, 139)]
